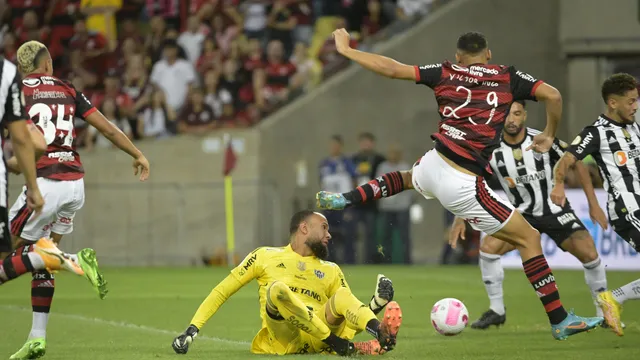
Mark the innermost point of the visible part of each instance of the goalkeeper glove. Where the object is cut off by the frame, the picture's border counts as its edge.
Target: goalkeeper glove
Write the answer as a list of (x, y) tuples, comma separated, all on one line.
[(382, 295), (181, 343)]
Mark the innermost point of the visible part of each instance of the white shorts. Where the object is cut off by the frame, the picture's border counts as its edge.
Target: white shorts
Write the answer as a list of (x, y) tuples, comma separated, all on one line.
[(466, 196), (62, 199)]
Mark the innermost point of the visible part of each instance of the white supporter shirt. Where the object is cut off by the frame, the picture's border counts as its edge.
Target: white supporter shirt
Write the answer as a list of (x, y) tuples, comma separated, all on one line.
[(192, 45), (174, 80)]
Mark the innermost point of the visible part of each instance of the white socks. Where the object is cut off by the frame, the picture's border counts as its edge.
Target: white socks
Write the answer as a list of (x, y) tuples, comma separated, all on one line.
[(493, 276), (631, 291), (36, 260), (596, 279), (39, 325)]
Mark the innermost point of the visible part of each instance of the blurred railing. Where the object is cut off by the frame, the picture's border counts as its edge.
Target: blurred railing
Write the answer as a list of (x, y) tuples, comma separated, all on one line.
[(171, 224)]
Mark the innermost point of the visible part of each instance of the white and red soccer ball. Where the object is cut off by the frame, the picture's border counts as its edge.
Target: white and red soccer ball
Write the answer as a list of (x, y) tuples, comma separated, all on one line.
[(449, 316)]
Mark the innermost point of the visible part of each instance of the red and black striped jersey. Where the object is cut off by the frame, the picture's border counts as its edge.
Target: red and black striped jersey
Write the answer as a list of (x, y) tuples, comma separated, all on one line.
[(473, 103), (52, 104)]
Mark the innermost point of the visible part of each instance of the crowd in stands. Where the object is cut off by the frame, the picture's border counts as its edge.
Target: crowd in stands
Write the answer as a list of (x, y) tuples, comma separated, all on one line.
[(158, 68)]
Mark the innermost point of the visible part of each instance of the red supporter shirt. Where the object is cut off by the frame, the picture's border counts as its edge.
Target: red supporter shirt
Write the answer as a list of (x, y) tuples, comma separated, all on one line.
[(52, 105), (278, 75)]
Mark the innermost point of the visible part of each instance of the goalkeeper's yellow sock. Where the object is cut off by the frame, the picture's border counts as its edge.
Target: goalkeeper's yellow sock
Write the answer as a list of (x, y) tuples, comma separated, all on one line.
[(293, 310), (359, 317)]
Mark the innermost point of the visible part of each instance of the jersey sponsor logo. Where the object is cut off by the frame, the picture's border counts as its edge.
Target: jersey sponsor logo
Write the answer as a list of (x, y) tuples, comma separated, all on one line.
[(549, 279), (566, 218), (526, 76), (302, 266), (474, 220), (250, 262), (37, 94), (47, 80), (484, 70), (310, 293), (319, 274), (62, 156), (510, 182), (297, 324), (453, 132), (430, 66), (31, 82), (472, 71), (622, 157), (529, 178), (587, 139)]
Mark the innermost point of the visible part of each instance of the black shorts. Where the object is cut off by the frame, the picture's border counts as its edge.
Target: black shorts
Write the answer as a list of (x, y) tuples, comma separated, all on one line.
[(6, 244), (558, 227)]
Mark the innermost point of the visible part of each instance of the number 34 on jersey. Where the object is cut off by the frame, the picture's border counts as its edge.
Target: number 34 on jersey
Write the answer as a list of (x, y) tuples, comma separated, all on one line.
[(61, 128)]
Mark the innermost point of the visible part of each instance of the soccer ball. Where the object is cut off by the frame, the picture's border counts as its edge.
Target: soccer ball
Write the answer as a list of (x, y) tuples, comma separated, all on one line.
[(449, 316)]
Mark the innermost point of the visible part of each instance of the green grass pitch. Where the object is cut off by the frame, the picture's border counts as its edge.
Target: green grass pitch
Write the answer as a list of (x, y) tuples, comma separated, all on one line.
[(146, 308)]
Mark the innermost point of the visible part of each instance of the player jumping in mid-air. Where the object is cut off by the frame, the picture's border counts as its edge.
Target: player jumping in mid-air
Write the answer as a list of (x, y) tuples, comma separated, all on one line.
[(526, 178), (306, 305), (474, 98), (614, 142), (53, 104)]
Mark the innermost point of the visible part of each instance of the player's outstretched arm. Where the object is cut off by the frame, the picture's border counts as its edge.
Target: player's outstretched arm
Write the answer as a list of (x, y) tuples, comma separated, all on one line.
[(377, 63), (553, 104), (250, 268), (119, 139), (559, 173), (595, 211), (39, 144)]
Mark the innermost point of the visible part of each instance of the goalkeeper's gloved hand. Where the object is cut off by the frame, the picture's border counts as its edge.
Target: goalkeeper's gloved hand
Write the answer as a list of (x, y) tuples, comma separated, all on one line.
[(382, 295), (181, 343)]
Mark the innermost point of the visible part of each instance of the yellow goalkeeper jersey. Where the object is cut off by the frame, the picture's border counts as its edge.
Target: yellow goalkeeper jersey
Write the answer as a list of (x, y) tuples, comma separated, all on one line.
[(314, 281)]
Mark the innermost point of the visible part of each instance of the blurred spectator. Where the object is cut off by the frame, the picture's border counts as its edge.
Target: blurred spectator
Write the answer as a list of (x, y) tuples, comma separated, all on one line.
[(77, 67), (168, 10), (213, 95), (155, 37), (277, 73), (230, 82), (94, 48), (9, 48), (304, 67), (211, 58), (372, 23), (110, 110), (329, 57), (326, 13), (30, 30), (60, 16), (156, 118), (394, 211), (197, 117), (20, 7), (281, 23), (101, 18), (413, 8), (337, 174), (174, 76), (304, 21), (254, 14), (191, 40), (171, 35), (129, 30), (222, 33), (135, 79), (367, 162)]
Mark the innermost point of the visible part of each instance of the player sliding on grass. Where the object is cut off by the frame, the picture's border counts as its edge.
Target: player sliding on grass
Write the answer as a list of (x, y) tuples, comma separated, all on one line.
[(306, 305), (474, 98), (613, 140)]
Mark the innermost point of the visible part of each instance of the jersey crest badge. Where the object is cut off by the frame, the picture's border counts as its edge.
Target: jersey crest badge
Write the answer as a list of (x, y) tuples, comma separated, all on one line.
[(517, 154), (626, 134), (319, 274), (302, 266)]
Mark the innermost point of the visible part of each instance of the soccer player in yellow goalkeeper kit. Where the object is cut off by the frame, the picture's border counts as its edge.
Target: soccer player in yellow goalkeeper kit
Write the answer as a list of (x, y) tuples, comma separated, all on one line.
[(306, 305)]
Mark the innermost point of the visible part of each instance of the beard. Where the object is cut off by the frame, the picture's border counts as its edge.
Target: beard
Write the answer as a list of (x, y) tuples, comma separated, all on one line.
[(513, 131), (320, 250), (625, 118)]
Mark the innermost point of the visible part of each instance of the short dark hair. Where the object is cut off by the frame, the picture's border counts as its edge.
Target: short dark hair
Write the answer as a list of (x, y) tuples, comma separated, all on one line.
[(366, 136), (472, 42), (618, 84), (297, 219), (521, 102), (337, 138)]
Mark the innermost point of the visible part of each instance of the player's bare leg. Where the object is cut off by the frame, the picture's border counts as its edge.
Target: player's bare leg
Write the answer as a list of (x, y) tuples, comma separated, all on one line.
[(344, 307), (491, 251), (385, 185), (518, 232), (581, 245)]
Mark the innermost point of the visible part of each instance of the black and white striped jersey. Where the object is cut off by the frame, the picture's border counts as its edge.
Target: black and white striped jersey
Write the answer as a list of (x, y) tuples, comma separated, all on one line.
[(526, 176), (11, 109), (616, 149)]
